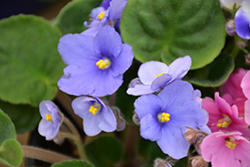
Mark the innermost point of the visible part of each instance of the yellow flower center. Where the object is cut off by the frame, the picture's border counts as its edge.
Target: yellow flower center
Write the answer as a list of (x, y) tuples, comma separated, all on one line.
[(100, 16), (95, 108), (103, 63), (48, 117), (163, 117), (224, 122), (160, 74), (230, 144)]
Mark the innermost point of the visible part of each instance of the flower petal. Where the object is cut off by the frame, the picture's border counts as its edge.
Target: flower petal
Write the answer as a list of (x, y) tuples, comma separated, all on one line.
[(116, 9), (160, 82), (148, 104), (81, 105), (76, 49), (140, 89), (179, 68), (47, 129), (91, 124), (245, 85), (149, 71), (242, 23), (173, 142), (107, 42), (108, 122), (247, 112), (121, 63), (150, 128)]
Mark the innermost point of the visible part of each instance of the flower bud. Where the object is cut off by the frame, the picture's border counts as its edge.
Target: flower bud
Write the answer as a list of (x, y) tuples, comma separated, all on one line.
[(195, 137), (241, 44), (230, 28), (198, 162), (121, 122), (161, 163), (247, 58), (136, 119)]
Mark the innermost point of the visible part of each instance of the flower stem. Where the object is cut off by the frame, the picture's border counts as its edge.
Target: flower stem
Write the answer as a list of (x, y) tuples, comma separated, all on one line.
[(76, 137), (44, 155)]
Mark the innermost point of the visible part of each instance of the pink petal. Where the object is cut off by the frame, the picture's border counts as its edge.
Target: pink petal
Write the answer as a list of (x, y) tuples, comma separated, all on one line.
[(245, 84), (247, 112)]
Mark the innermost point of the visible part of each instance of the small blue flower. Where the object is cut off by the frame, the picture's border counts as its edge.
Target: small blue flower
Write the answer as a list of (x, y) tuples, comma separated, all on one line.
[(109, 13), (96, 115), (164, 117), (51, 120), (242, 20), (154, 75), (95, 65)]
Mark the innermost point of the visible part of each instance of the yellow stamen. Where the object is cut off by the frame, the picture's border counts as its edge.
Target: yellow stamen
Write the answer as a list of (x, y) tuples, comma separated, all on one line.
[(100, 16), (48, 117), (93, 110), (230, 144), (224, 122), (160, 74), (103, 63), (163, 117)]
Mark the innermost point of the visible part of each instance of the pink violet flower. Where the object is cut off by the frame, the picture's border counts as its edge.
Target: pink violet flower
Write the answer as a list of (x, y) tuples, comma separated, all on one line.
[(224, 117), (232, 92), (226, 150), (245, 85)]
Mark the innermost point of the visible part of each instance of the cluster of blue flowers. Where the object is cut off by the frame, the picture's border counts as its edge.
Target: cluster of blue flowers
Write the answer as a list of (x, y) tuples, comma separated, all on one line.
[(96, 60), (168, 105)]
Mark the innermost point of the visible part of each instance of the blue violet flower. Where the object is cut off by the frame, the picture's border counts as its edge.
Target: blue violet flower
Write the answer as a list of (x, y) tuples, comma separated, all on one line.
[(109, 13), (51, 121), (154, 75), (95, 65), (242, 20), (165, 116), (96, 115)]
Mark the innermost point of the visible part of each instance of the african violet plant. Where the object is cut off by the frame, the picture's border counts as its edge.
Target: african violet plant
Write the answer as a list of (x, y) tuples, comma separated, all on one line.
[(153, 82)]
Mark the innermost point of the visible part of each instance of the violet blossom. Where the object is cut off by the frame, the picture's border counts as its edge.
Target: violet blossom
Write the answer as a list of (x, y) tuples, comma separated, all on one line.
[(50, 124), (242, 20), (246, 90), (109, 13), (154, 75), (226, 150), (223, 117), (96, 115), (165, 116), (95, 65)]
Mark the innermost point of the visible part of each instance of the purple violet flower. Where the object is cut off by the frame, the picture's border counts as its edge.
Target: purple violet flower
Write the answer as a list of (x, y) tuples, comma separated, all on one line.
[(51, 120), (154, 75), (96, 115), (165, 116), (242, 20), (105, 15), (95, 65)]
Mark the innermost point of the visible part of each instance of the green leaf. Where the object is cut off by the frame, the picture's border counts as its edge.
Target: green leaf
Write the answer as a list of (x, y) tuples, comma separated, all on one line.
[(214, 74), (105, 151), (168, 29), (10, 149), (73, 163), (30, 116), (30, 63), (11, 153), (73, 15)]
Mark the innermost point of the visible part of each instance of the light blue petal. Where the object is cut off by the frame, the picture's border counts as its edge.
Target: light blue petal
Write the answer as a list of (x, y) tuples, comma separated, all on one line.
[(150, 128)]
